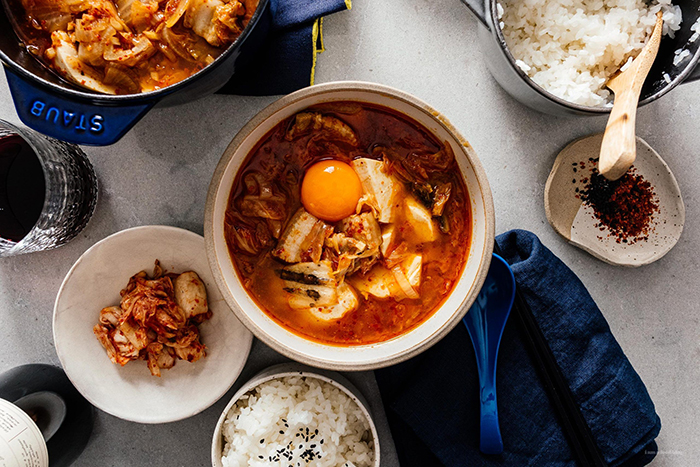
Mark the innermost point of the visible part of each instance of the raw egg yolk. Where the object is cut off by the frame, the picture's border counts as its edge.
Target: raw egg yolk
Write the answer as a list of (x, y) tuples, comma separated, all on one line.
[(330, 190)]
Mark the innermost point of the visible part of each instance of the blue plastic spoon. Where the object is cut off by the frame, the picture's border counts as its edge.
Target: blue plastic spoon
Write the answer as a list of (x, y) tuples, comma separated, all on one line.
[(485, 322)]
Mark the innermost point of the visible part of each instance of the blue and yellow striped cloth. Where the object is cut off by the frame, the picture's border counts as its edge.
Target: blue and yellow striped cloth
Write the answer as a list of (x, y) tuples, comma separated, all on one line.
[(286, 62)]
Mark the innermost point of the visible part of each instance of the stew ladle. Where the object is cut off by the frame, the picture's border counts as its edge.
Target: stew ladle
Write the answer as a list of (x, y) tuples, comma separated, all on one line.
[(485, 322), (618, 150)]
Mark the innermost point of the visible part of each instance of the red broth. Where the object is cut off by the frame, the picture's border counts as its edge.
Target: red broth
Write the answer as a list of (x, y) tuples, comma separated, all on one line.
[(415, 157), (174, 53)]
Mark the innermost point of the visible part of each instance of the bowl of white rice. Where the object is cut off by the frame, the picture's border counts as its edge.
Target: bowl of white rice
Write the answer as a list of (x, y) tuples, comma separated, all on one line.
[(291, 414), (556, 56)]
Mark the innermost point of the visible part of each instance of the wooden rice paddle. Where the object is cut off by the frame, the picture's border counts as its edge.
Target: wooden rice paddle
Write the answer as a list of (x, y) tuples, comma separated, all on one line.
[(618, 150)]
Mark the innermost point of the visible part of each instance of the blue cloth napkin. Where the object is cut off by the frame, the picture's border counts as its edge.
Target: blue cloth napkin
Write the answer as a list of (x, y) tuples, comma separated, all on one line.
[(432, 400), (286, 61)]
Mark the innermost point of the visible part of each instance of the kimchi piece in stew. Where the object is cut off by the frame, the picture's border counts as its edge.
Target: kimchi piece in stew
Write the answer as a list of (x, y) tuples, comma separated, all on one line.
[(129, 46), (349, 224)]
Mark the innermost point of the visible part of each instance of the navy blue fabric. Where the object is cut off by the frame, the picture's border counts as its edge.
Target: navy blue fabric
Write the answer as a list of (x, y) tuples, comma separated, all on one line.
[(432, 400), (291, 13), (284, 62)]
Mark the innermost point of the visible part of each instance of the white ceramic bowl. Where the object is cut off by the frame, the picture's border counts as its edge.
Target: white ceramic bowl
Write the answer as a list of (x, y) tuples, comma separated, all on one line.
[(293, 369), (366, 356), (130, 392)]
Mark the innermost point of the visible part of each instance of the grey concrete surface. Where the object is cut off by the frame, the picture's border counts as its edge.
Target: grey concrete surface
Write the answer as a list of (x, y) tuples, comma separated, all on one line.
[(159, 173)]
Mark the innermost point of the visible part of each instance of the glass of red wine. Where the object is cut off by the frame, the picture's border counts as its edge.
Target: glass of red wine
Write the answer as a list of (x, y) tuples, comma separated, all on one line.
[(48, 191)]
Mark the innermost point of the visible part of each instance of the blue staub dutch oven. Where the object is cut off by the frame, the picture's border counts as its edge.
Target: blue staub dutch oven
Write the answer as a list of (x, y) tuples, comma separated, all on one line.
[(49, 104), (662, 78)]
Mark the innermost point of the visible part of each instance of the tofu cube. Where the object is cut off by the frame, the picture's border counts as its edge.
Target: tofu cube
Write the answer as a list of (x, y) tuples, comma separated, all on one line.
[(420, 219)]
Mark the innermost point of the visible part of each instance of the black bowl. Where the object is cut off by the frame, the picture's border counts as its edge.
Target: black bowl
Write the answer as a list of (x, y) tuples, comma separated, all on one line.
[(66, 445), (49, 104)]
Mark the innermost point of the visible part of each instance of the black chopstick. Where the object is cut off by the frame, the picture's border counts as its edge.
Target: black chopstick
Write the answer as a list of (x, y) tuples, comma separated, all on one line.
[(575, 427)]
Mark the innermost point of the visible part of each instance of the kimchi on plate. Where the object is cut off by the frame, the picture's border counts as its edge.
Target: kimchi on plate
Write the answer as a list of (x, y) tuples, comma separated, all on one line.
[(156, 320), (349, 224), (128, 46)]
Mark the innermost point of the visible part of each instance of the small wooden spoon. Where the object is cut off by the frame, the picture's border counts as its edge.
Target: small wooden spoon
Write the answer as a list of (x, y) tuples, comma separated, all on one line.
[(618, 150)]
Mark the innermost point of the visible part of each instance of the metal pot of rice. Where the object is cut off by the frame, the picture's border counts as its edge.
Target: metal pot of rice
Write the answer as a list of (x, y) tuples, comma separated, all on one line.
[(556, 56)]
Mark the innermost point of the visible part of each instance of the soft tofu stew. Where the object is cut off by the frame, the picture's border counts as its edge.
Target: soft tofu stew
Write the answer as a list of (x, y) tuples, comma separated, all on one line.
[(348, 223)]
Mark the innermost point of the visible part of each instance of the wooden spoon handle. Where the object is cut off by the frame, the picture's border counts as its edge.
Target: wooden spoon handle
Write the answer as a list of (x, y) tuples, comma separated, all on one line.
[(619, 147)]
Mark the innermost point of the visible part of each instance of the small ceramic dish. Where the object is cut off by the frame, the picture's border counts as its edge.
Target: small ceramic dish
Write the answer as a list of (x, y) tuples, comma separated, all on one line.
[(577, 223), (45, 402), (294, 369), (359, 357), (130, 392)]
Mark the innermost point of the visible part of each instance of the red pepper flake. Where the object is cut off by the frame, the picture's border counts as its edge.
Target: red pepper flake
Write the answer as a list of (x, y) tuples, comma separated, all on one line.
[(626, 206)]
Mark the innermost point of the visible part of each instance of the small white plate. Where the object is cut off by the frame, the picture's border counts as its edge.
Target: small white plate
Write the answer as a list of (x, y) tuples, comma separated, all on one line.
[(130, 392), (577, 223)]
